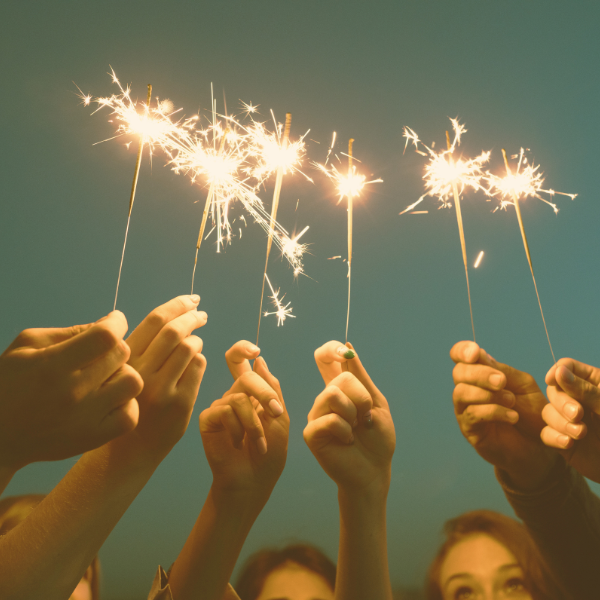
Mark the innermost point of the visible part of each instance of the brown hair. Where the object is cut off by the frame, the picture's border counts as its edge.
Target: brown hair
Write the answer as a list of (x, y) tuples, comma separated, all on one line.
[(15, 509), (512, 535), (261, 564)]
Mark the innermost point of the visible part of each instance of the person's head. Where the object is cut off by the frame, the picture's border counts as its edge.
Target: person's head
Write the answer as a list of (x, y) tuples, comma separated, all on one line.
[(488, 556), (296, 572), (15, 509)]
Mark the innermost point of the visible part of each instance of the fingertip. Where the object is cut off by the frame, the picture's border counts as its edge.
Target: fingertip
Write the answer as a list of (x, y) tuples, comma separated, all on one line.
[(512, 416), (345, 352), (471, 352), (565, 375)]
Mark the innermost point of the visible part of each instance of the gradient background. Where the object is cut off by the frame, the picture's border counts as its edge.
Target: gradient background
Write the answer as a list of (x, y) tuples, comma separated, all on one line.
[(517, 73)]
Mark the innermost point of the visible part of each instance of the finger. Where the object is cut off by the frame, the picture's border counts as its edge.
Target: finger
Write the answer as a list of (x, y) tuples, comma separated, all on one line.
[(554, 439), (333, 400), (252, 384), (190, 381), (326, 428), (477, 415), (465, 394), (149, 328), (578, 388), (357, 369), (94, 375), (169, 338), (579, 369), (244, 411), (570, 409), (557, 422), (120, 421), (216, 418), (480, 376), (261, 369), (356, 392), (180, 358), (43, 337), (93, 342), (330, 357), (238, 357), (466, 352), (123, 386)]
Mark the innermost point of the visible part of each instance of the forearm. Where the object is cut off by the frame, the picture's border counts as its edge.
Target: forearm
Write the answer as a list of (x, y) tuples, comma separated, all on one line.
[(47, 554), (204, 566), (362, 570)]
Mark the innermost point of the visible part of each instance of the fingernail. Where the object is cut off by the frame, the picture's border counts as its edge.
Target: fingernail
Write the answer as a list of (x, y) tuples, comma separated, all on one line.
[(571, 410), (368, 418), (276, 408), (513, 416), (345, 352), (351, 440), (195, 298), (261, 444), (253, 348), (563, 440), (508, 398), (567, 375), (202, 315), (496, 380), (574, 430)]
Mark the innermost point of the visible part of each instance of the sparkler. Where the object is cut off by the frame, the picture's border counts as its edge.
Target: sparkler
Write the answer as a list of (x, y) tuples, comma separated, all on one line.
[(445, 176), (348, 186), (282, 312), (521, 184), (274, 207)]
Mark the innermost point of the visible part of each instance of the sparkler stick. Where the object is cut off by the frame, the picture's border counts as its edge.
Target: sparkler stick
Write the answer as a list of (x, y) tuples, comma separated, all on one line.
[(276, 194), (207, 206), (132, 196), (461, 230), (350, 142), (522, 228)]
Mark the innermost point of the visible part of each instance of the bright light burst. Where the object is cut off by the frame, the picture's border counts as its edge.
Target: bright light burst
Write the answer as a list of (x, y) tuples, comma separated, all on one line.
[(525, 182), (283, 311), (443, 170), (349, 184)]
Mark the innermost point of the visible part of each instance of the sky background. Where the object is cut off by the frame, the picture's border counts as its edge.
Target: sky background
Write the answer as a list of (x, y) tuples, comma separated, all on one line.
[(516, 73)]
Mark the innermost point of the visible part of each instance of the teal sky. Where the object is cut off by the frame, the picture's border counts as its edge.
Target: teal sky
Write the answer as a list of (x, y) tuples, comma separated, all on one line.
[(516, 73)]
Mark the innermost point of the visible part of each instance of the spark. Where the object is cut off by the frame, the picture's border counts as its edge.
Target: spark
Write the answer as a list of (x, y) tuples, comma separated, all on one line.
[(478, 261), (334, 257), (282, 311)]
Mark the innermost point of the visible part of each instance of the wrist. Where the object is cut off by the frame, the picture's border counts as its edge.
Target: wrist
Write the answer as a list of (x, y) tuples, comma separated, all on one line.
[(239, 500), (530, 476), (374, 494)]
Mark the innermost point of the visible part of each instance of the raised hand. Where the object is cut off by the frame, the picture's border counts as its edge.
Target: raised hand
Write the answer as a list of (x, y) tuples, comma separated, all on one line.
[(66, 391), (499, 411), (171, 363), (350, 429), (245, 433), (573, 415)]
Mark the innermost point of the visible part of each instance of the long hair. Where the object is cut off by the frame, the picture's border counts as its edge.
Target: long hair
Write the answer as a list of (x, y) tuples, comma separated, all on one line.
[(506, 531), (15, 509), (258, 567)]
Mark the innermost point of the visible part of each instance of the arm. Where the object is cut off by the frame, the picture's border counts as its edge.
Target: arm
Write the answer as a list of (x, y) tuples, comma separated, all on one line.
[(351, 433), (245, 437), (47, 554), (60, 393)]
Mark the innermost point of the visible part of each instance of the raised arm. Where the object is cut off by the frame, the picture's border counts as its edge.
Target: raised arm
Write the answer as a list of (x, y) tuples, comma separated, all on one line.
[(351, 433), (47, 554), (245, 437)]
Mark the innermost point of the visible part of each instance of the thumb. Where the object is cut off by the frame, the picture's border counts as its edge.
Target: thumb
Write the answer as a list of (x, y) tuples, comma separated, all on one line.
[(579, 389)]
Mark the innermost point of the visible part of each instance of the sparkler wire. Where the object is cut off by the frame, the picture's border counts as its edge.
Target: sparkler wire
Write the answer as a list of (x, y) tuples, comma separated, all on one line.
[(522, 228), (350, 142), (461, 232), (132, 196), (275, 206)]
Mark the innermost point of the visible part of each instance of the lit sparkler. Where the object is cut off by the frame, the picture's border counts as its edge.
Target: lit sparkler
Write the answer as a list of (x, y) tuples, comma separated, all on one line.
[(513, 187), (349, 186), (446, 176), (283, 311)]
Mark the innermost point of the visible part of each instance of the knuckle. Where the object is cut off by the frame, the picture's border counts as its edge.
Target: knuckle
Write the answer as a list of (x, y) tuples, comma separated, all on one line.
[(26, 337), (346, 378), (106, 337), (157, 318), (239, 400), (246, 378), (171, 333)]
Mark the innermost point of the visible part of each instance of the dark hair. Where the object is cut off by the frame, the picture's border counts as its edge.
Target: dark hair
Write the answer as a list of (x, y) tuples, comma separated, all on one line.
[(15, 509), (261, 564), (512, 535)]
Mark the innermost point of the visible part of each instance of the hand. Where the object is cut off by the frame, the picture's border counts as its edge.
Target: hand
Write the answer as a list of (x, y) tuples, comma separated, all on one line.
[(499, 411), (170, 362), (65, 391), (350, 429), (245, 433), (573, 415)]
